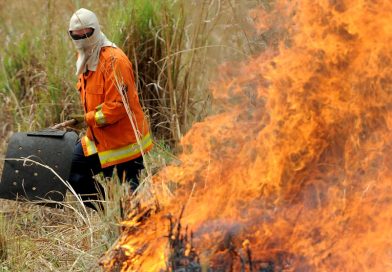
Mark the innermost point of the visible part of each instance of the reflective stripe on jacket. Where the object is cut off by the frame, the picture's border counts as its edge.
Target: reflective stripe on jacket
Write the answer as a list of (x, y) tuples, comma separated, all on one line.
[(110, 132)]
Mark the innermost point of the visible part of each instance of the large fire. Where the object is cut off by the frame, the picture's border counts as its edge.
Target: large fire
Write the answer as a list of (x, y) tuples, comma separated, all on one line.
[(294, 173)]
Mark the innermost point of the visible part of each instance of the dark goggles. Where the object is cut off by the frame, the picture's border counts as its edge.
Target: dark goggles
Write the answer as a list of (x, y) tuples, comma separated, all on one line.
[(82, 36)]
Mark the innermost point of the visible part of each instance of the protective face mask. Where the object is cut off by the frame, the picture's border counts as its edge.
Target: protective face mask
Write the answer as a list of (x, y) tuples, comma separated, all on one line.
[(88, 45)]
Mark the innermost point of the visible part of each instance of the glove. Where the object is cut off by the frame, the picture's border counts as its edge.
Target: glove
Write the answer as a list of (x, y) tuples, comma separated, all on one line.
[(79, 118)]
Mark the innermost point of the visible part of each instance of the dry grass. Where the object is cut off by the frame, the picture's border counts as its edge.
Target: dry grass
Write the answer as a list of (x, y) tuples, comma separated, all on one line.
[(38, 238), (176, 47), (45, 239)]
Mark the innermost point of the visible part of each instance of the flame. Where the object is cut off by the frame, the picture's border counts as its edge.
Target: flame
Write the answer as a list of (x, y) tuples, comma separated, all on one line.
[(294, 171)]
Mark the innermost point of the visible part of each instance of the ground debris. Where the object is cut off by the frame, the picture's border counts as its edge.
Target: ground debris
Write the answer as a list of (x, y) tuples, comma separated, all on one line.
[(183, 255)]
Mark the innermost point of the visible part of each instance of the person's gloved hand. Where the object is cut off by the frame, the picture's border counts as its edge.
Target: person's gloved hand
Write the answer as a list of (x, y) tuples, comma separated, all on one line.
[(79, 119)]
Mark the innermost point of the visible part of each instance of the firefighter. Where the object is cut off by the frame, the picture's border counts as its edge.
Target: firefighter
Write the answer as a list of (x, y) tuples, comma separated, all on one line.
[(117, 131)]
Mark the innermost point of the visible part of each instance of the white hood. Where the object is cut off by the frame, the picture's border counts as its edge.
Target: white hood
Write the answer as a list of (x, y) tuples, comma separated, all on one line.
[(88, 48)]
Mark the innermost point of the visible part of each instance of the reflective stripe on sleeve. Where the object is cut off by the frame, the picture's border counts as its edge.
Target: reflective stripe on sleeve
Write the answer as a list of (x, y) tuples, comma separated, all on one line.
[(90, 145), (125, 152), (99, 116)]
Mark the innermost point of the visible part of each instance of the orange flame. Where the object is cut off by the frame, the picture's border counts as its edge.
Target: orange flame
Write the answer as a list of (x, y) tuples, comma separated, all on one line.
[(294, 172)]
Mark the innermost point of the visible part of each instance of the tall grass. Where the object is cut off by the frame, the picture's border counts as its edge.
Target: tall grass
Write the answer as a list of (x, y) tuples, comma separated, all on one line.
[(153, 34), (170, 43), (34, 75)]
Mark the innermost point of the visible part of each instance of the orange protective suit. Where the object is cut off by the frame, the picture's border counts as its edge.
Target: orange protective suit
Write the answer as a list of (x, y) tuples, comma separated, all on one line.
[(104, 94)]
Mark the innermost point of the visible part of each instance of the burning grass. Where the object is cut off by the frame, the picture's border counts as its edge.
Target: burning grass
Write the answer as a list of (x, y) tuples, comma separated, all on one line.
[(293, 173)]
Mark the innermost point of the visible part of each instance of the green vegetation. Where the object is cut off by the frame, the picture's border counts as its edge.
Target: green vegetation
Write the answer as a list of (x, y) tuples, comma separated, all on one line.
[(169, 53), (175, 47)]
